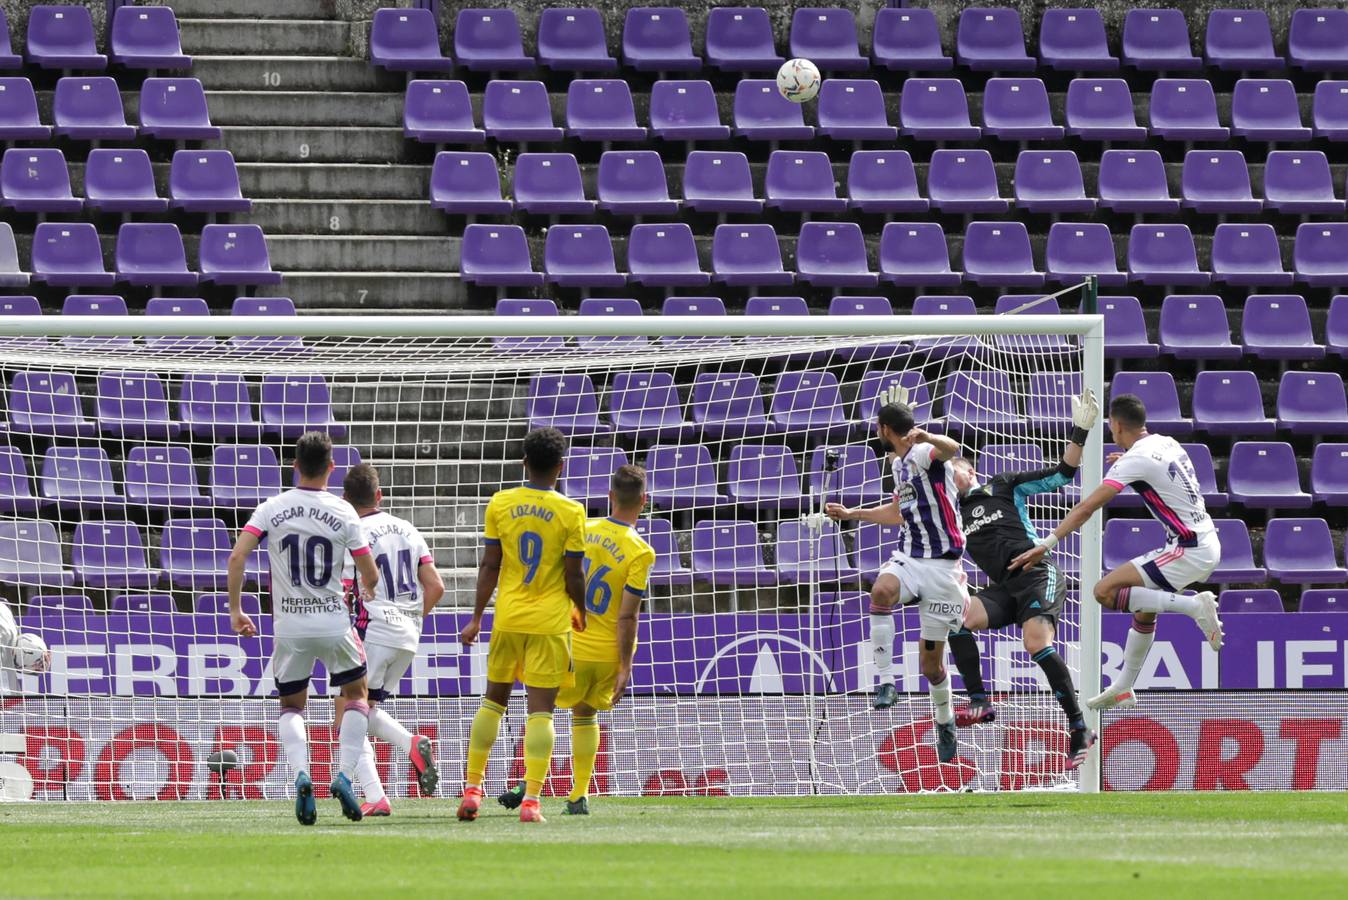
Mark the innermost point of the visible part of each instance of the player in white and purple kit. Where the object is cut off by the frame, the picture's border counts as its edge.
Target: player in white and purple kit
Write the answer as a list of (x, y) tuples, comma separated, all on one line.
[(310, 532), (1159, 469), (925, 569)]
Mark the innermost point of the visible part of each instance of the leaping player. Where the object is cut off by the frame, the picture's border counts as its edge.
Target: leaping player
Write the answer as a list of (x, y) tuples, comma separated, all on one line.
[(1159, 469), (925, 569)]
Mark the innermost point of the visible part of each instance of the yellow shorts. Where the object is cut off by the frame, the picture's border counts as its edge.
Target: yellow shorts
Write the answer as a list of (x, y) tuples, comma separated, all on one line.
[(536, 660), (593, 686)]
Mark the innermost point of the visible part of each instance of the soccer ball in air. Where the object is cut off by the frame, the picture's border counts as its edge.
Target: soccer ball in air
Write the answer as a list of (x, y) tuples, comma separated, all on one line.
[(798, 80), (32, 654)]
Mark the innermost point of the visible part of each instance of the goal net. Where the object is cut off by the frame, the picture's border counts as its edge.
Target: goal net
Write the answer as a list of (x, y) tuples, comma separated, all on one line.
[(135, 449)]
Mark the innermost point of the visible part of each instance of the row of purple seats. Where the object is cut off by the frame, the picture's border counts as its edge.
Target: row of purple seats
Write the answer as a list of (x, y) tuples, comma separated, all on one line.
[(134, 405), (35, 179), (148, 253), (1265, 474), (206, 607), (1296, 551), (1231, 403), (90, 109), (1269, 601), (62, 37)]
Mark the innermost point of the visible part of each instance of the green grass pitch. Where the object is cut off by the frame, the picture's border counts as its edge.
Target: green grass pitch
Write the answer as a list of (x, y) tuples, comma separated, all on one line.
[(966, 846)]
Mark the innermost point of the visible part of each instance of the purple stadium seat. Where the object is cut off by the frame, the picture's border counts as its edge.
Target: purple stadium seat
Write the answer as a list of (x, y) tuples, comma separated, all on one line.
[(8, 58), (981, 401), (565, 402), (1077, 249), (853, 110), (134, 406), (30, 554), (828, 38), (163, 478), (1266, 109), (264, 306), (697, 307), (1312, 403), (864, 306), (728, 405), (1299, 182), (1101, 109), (18, 112), (95, 305), (719, 182), (668, 568), (488, 40), (1323, 601), (964, 181), (761, 113), (469, 184), (572, 40), (1016, 109), (739, 39), (1125, 328), (175, 109), (809, 404), (748, 255), (664, 256), (634, 184), (151, 254), (294, 404), (1073, 40), (110, 555), (1278, 326), (1050, 181), (35, 179), (528, 308), (588, 473), (854, 481), (833, 254), (686, 111), (1048, 401), (1317, 255), (908, 40), (935, 109), (243, 476), (10, 273), (1134, 181), (68, 254), (682, 476), (78, 480), (998, 254), (205, 181), (657, 39), (1264, 475), (1217, 181), (803, 555), (1185, 109), (145, 603), (1336, 326), (235, 254), (62, 37), (1164, 255), (883, 181), (16, 487), (991, 40), (1030, 305), (1248, 255), (497, 256), (646, 406), (439, 112), (1158, 394), (146, 38), (549, 184), (1126, 539), (580, 256), (1255, 601), (1329, 110), (601, 110), (194, 554), (122, 181), (1194, 326), (994, 459), (1317, 40), (1240, 40), (1329, 474), (801, 181), (915, 254), (407, 40), (1229, 403), (875, 544), (726, 552), (876, 381), (218, 408), (1301, 551), (1157, 40), (764, 479), (610, 306), (518, 111)]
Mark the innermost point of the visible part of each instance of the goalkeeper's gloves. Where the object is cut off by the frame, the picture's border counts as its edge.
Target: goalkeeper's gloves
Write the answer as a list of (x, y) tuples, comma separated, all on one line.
[(895, 393), (1085, 413)]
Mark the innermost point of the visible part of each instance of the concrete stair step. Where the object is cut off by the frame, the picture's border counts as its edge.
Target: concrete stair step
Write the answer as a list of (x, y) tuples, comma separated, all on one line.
[(334, 181), (293, 73), (381, 217), (292, 37), (254, 143), (254, 9), (300, 108), (376, 291), (342, 253)]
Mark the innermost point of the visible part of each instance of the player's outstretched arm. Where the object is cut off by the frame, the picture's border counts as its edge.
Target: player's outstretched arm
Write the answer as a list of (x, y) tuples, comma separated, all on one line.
[(887, 514), (1074, 519), (238, 559), (627, 641), (944, 447), (432, 587), (488, 573)]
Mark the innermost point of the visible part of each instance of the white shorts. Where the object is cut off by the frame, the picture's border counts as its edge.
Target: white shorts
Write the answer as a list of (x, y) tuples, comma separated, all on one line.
[(292, 660), (1173, 568), (385, 668), (938, 586)]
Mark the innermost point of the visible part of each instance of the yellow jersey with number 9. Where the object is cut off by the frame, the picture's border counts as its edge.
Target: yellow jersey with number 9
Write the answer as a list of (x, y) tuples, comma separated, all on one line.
[(617, 559), (537, 529)]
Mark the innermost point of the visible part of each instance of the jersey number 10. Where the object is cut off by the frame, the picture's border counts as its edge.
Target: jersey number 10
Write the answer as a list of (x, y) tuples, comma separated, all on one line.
[(315, 567)]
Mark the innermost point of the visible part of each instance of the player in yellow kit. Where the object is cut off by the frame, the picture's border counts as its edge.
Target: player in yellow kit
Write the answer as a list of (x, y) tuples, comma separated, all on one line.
[(534, 544), (617, 565)]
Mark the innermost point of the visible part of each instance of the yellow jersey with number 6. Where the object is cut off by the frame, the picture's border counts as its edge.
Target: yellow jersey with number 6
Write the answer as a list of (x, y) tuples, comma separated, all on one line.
[(537, 529), (617, 559)]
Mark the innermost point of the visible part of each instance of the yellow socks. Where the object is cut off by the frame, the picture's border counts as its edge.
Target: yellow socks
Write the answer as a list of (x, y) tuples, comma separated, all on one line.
[(538, 738), (486, 725), (584, 750)]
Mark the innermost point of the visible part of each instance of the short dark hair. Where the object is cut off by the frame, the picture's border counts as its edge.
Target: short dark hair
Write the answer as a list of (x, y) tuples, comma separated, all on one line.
[(360, 485), (898, 417), (628, 484), (544, 450), (313, 454), (1129, 410)]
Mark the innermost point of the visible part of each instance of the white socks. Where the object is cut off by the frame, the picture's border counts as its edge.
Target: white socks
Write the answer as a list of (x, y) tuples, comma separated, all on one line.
[(371, 786), (294, 739), (1153, 601), (882, 645), (389, 729), (1135, 650), (352, 735), (940, 701)]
